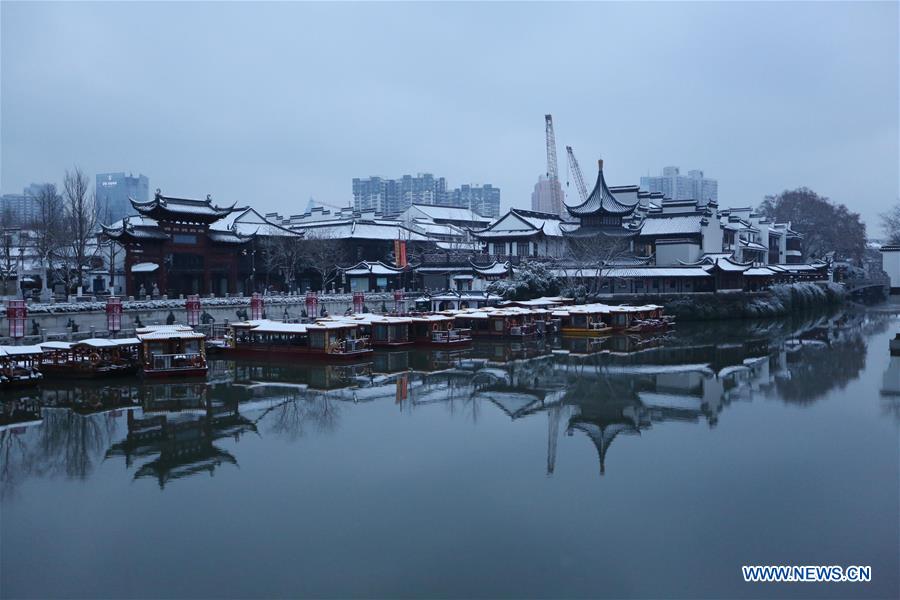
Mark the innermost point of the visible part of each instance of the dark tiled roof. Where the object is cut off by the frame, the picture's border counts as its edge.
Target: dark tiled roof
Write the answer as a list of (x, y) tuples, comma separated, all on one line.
[(601, 200)]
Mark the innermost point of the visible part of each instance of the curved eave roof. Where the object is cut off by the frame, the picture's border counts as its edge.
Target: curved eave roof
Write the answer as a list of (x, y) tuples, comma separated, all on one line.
[(134, 234), (600, 200)]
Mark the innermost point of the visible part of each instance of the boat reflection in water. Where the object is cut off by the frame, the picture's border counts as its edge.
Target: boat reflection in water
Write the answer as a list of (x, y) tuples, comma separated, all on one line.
[(586, 388)]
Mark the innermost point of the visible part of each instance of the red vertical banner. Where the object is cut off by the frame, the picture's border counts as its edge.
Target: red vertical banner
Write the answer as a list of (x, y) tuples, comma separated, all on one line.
[(359, 302), (16, 312), (312, 304), (256, 306), (401, 253), (399, 302), (113, 314), (193, 310)]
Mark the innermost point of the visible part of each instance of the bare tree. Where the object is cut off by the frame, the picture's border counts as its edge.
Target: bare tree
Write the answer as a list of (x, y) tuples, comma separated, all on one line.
[(7, 254), (890, 221), (283, 253), (323, 253), (590, 257), (81, 221), (46, 232)]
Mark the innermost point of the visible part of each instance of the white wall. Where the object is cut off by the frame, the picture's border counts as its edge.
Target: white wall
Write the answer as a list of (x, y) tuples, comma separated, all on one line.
[(671, 254), (892, 268)]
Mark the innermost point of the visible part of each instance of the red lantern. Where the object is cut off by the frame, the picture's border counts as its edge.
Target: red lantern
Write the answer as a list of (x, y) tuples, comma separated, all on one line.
[(399, 302), (16, 312), (256, 306), (312, 303), (192, 305), (359, 302), (113, 314)]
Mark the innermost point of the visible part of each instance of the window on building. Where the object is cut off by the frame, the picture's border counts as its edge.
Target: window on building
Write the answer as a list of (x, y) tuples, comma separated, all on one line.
[(184, 238), (522, 248)]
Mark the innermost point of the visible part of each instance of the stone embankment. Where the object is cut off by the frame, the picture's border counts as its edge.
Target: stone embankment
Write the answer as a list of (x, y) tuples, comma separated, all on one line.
[(54, 320)]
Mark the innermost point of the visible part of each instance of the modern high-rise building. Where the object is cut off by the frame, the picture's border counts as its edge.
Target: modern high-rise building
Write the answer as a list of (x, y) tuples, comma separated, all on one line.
[(675, 186), (113, 191), (21, 210), (481, 199), (392, 196), (547, 197)]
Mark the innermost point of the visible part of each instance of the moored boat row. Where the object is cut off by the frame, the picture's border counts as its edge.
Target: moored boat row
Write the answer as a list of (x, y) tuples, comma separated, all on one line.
[(179, 351), (157, 351)]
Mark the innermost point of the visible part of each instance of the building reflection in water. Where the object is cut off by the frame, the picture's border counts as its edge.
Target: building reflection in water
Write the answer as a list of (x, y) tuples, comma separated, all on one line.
[(890, 388), (599, 389)]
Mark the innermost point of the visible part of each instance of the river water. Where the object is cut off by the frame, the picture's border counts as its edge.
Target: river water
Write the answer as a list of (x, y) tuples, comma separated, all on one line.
[(639, 468)]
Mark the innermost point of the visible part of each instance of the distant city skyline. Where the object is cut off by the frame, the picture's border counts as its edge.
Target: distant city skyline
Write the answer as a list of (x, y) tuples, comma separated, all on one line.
[(693, 186), (760, 118)]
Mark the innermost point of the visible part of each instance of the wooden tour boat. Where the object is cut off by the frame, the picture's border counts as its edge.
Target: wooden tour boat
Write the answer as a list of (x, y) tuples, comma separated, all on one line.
[(328, 340), (91, 358), (172, 351), (439, 331), (19, 366), (514, 323), (602, 319)]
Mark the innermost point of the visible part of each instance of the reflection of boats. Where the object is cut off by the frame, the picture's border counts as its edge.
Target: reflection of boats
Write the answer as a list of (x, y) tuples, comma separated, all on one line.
[(17, 413), (19, 366), (88, 397), (314, 376), (648, 326), (172, 351), (90, 358), (327, 340)]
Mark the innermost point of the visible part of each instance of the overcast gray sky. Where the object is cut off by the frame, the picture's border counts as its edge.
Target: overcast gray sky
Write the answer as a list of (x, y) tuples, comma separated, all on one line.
[(271, 104)]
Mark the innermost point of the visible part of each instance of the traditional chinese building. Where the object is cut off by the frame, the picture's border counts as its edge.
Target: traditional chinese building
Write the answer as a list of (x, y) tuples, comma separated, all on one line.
[(606, 218), (172, 246)]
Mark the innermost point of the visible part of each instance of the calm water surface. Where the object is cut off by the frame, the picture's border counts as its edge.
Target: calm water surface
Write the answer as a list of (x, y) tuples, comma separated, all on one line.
[(646, 468)]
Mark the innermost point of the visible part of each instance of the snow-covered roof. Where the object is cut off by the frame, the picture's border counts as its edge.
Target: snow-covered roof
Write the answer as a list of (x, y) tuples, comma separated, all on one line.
[(20, 350), (144, 267), (450, 213), (523, 223), (752, 245), (268, 326), (672, 225), (368, 230), (495, 268), (105, 342), (373, 268)]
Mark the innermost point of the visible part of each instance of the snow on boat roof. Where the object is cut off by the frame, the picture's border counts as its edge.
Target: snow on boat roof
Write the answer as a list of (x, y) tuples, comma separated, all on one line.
[(152, 328), (368, 319), (599, 307), (269, 326), (173, 333), (55, 345), (106, 343), (435, 318), (19, 350), (332, 325)]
